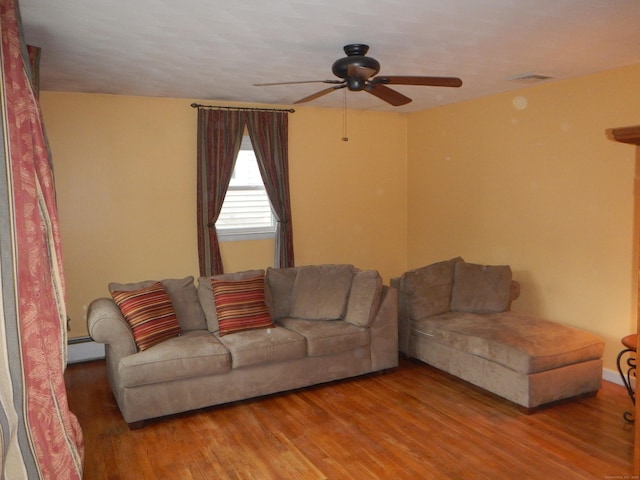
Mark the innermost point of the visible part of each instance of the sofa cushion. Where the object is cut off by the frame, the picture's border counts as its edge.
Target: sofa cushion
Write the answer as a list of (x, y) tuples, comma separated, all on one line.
[(517, 341), (428, 289), (205, 294), (320, 292), (184, 298), (194, 354), (481, 288), (150, 314), (240, 304), (279, 287), (264, 346), (327, 338), (364, 297)]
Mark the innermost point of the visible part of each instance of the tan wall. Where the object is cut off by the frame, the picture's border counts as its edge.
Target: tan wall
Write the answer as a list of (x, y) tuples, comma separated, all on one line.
[(125, 176), (528, 178)]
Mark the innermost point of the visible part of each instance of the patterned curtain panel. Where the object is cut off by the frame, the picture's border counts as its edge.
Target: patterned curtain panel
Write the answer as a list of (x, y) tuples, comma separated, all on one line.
[(269, 134), (34, 66), (41, 438), (219, 138)]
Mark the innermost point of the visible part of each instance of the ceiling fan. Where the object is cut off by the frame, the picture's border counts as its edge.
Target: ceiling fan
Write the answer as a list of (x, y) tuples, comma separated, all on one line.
[(358, 71)]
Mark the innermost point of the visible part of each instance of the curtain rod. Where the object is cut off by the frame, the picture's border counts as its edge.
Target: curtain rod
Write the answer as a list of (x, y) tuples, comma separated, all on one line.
[(218, 107)]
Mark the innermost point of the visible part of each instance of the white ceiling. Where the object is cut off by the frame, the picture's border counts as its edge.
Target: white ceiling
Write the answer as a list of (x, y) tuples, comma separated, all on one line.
[(216, 50)]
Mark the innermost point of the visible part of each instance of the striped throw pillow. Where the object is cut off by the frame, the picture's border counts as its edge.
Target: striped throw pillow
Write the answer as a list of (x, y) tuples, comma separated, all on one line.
[(150, 314), (240, 305)]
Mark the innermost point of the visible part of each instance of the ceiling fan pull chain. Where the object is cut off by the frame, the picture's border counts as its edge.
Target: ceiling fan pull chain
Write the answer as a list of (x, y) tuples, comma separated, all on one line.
[(344, 118)]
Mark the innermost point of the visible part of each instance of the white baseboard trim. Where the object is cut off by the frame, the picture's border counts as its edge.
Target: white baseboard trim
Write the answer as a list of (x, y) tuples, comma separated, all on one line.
[(611, 376), (84, 349)]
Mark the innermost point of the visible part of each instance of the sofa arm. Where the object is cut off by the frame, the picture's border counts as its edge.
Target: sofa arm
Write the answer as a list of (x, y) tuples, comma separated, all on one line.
[(514, 291), (404, 317), (107, 325), (384, 331)]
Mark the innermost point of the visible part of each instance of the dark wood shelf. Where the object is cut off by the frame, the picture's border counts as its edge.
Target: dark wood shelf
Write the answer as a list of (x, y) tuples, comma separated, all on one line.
[(625, 134)]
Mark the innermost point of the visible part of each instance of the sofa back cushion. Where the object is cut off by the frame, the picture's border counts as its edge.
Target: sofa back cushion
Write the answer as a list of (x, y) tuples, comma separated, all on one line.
[(184, 298), (205, 294), (320, 292), (481, 288), (278, 290), (364, 297), (428, 289)]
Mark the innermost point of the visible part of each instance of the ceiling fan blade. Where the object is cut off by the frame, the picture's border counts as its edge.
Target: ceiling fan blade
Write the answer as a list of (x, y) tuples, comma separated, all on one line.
[(293, 83), (408, 80), (320, 93), (387, 94)]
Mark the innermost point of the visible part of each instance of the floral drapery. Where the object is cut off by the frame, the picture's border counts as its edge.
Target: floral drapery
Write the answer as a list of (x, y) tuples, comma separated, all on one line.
[(219, 136), (41, 438)]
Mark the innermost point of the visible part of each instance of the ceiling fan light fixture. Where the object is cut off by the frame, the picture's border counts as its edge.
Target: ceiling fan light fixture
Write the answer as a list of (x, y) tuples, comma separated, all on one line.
[(355, 84)]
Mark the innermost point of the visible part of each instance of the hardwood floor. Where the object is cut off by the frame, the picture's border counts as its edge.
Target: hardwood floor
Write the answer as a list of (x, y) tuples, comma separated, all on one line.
[(413, 422)]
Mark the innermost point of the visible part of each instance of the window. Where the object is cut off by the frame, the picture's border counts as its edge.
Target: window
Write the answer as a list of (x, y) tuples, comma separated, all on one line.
[(246, 212)]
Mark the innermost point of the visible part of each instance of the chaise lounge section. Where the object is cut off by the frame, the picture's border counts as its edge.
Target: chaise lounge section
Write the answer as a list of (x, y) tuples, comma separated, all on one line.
[(457, 317), (324, 322)]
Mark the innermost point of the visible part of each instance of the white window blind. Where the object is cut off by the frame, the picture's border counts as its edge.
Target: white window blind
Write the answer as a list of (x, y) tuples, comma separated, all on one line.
[(246, 211)]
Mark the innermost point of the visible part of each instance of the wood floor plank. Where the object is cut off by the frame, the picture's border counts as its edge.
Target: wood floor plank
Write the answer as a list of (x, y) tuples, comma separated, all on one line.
[(412, 422)]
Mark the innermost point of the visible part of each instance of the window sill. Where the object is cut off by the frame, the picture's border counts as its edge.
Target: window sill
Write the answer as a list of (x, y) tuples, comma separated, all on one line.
[(238, 237)]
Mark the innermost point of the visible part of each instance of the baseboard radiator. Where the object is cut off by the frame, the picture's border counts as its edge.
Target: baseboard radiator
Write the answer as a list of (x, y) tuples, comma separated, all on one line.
[(83, 349)]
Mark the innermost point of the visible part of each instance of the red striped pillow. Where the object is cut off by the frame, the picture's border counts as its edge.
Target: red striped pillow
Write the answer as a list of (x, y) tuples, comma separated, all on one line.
[(150, 313), (240, 304)]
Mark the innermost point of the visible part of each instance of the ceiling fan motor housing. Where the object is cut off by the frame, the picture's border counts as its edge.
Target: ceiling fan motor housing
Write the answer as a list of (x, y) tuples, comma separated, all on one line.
[(362, 67)]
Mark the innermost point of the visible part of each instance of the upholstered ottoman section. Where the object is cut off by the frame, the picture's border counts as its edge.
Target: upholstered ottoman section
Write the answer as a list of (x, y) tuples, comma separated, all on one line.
[(529, 391), (263, 346), (193, 354), (517, 341), (328, 337)]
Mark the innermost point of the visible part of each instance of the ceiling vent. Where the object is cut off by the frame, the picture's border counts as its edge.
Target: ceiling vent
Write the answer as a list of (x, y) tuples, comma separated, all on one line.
[(530, 78)]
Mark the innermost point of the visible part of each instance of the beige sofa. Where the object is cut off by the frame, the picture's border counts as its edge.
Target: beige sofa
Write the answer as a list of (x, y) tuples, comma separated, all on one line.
[(457, 317), (330, 322)]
